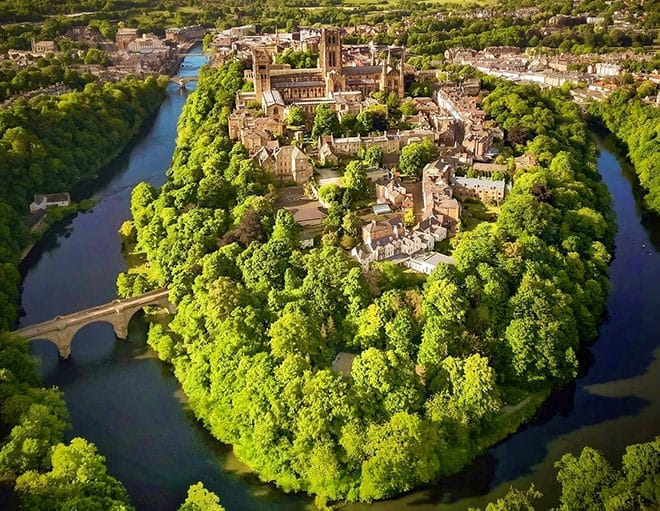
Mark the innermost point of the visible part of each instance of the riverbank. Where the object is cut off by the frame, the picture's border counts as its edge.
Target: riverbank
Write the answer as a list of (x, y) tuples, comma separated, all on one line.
[(75, 268), (82, 189), (41, 419), (43, 220), (633, 120)]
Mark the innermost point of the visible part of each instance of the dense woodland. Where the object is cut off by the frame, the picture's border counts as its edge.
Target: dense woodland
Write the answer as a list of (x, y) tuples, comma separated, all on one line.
[(44, 72), (259, 321), (444, 368), (44, 472), (637, 125), (50, 143)]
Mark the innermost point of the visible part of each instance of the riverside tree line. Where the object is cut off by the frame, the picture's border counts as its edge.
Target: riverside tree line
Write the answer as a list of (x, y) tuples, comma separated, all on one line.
[(48, 144)]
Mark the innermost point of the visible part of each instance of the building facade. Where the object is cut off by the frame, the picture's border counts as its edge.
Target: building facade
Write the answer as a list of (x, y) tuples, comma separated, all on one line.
[(329, 78)]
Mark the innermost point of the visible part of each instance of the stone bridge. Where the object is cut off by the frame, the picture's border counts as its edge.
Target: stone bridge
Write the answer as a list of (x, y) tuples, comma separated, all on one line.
[(181, 81), (62, 329)]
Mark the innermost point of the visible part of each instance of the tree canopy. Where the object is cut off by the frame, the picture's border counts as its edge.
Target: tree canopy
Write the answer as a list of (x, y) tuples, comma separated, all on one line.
[(259, 321), (589, 482), (637, 125), (415, 156)]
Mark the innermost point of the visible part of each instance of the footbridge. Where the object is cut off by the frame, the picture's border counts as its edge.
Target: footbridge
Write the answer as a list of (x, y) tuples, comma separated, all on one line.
[(62, 329)]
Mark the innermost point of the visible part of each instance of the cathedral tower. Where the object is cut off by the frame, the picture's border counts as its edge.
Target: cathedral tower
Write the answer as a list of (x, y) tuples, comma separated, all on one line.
[(261, 71), (330, 50)]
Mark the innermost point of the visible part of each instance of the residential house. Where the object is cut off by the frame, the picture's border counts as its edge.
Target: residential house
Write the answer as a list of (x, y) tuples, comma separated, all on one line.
[(49, 200), (428, 261), (390, 190), (388, 239), (291, 164), (326, 156)]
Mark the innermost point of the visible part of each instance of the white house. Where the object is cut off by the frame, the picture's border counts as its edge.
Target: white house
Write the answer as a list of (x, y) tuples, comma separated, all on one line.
[(49, 200), (387, 239)]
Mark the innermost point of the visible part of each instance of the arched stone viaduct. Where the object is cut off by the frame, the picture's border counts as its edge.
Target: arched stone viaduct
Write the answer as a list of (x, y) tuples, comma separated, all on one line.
[(61, 330)]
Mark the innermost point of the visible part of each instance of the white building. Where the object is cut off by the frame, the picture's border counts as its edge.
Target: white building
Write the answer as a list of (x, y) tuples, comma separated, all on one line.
[(49, 200), (427, 262), (388, 240)]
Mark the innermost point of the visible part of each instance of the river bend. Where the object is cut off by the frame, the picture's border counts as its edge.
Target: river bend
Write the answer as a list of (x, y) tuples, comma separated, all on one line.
[(129, 404)]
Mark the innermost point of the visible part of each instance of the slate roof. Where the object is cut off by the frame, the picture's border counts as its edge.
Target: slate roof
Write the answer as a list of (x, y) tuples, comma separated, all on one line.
[(361, 70)]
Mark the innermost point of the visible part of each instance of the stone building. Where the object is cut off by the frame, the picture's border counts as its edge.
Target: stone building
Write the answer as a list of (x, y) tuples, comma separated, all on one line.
[(49, 200), (43, 47), (390, 190), (291, 164), (329, 78), (388, 239), (125, 36), (486, 190), (389, 143), (185, 34), (437, 193)]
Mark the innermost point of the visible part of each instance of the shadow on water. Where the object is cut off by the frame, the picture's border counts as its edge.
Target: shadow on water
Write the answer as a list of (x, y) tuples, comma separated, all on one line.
[(650, 221), (486, 471), (615, 389)]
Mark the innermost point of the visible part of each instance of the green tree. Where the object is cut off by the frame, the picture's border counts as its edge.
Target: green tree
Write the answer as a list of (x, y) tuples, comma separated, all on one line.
[(399, 455), (470, 395), (373, 157), (77, 480), (515, 500), (408, 108), (325, 121), (286, 229), (296, 116), (201, 499), (355, 179), (583, 480), (419, 89), (415, 155), (641, 486), (295, 332), (29, 442)]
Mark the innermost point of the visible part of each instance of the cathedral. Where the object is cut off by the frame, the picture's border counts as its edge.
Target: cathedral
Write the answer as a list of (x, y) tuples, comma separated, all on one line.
[(335, 82), (279, 85)]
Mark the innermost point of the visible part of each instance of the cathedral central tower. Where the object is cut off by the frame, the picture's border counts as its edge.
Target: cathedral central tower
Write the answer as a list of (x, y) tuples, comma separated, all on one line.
[(330, 50)]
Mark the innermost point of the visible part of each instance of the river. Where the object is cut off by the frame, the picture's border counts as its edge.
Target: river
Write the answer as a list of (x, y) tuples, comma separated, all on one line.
[(129, 404)]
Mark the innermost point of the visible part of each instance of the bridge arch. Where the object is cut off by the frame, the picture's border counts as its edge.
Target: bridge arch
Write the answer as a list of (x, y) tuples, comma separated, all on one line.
[(63, 339), (182, 81), (118, 313)]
